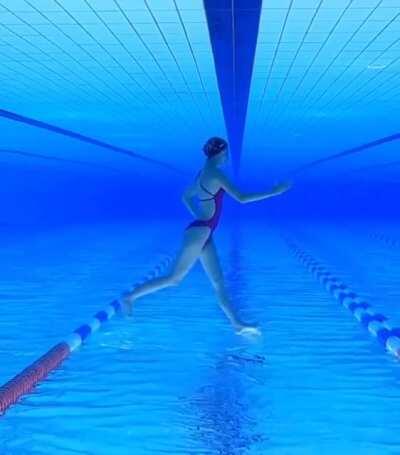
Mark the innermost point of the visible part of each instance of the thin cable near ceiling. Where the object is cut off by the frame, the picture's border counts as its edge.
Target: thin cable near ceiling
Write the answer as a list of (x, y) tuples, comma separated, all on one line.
[(89, 140), (351, 151)]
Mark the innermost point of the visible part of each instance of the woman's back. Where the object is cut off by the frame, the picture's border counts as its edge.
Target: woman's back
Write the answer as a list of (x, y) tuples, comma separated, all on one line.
[(207, 190)]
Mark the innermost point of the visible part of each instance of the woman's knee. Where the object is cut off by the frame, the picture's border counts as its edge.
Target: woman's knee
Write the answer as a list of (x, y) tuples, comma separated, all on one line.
[(174, 279)]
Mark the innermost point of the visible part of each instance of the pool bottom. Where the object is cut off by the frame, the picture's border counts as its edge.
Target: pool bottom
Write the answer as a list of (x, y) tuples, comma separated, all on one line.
[(175, 379)]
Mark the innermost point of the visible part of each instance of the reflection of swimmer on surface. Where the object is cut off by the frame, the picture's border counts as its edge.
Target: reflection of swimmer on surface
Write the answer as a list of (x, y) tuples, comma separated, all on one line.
[(221, 406), (209, 189)]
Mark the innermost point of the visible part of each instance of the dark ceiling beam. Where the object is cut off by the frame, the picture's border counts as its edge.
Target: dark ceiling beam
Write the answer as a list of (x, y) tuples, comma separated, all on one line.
[(233, 28)]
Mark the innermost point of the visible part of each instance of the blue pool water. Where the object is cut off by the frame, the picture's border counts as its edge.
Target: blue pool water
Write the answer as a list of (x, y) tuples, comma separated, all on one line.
[(175, 378), (104, 109)]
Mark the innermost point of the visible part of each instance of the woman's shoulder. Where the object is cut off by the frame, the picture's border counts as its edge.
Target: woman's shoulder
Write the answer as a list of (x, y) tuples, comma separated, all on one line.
[(210, 173), (208, 177), (217, 175)]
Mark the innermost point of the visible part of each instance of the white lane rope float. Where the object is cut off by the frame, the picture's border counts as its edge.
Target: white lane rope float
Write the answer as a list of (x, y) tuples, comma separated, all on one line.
[(390, 241), (376, 323), (26, 380)]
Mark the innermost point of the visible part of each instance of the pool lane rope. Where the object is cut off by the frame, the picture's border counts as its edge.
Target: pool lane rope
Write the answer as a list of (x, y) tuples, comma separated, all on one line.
[(26, 380), (376, 323), (385, 239)]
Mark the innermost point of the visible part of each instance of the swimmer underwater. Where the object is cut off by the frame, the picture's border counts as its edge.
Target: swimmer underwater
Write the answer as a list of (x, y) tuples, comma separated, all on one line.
[(209, 188)]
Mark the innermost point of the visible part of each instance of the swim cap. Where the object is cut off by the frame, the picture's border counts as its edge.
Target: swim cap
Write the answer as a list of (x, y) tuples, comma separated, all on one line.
[(214, 146)]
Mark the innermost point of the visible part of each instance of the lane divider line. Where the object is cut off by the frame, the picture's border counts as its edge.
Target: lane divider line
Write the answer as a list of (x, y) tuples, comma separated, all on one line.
[(27, 379), (376, 323)]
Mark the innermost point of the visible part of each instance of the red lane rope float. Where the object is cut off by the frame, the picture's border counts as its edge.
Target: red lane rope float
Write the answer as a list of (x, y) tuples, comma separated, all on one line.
[(27, 379)]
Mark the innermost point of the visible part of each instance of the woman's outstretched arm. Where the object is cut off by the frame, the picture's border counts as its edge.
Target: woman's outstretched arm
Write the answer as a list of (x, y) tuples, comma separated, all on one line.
[(244, 198)]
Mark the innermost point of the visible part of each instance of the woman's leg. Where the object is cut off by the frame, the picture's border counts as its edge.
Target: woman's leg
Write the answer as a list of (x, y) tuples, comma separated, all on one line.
[(193, 241), (212, 267)]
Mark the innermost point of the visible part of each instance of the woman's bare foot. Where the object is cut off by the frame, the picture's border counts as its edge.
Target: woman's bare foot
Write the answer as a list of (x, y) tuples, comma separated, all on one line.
[(126, 303), (247, 329)]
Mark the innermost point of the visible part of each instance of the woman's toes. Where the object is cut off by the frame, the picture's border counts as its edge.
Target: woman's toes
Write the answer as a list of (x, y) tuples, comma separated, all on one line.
[(249, 330)]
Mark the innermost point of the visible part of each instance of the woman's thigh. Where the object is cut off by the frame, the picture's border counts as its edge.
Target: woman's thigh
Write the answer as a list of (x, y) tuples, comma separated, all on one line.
[(194, 239)]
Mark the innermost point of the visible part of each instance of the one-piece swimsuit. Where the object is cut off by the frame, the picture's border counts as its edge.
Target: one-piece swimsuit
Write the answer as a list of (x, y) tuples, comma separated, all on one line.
[(211, 222)]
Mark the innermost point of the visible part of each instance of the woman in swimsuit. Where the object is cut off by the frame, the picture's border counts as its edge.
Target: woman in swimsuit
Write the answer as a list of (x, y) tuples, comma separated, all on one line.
[(209, 188)]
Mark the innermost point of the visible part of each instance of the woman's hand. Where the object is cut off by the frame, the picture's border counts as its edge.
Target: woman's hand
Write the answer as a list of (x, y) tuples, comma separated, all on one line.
[(244, 198), (281, 188)]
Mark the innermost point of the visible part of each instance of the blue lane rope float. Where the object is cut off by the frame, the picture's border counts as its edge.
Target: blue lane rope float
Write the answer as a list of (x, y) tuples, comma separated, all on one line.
[(79, 335), (26, 380), (385, 239), (376, 323)]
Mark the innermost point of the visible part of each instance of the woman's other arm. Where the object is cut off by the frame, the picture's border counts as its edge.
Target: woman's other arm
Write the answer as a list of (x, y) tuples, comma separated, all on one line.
[(188, 199)]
